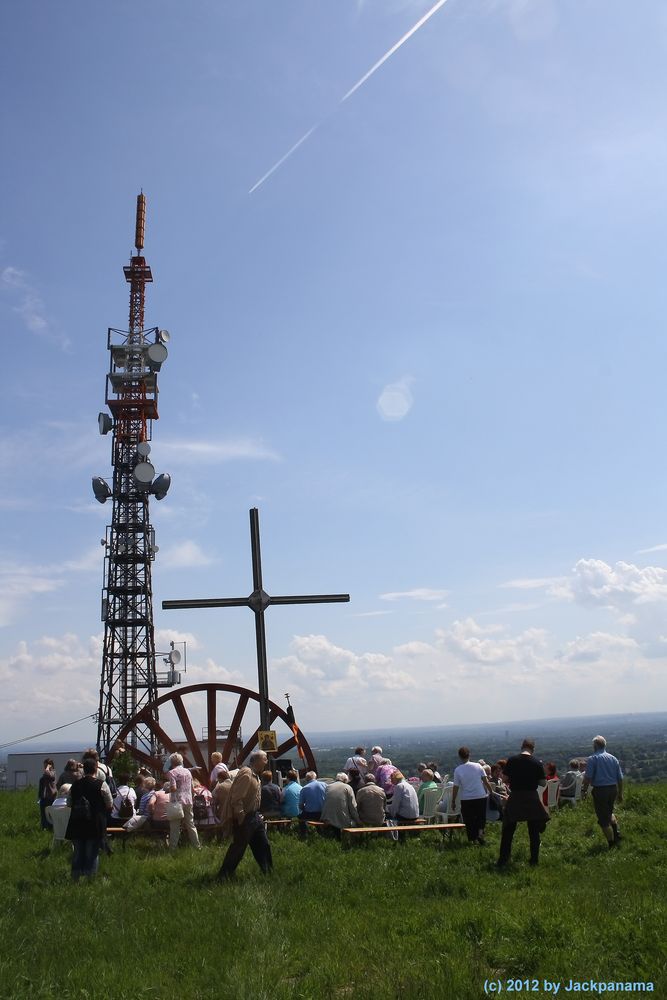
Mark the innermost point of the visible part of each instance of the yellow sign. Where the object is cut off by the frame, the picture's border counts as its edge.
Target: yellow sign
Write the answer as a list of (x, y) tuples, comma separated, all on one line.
[(268, 741)]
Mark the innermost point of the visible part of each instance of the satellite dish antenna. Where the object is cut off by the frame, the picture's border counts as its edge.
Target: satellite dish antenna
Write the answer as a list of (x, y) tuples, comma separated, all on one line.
[(104, 422), (143, 449), (101, 489), (161, 486), (157, 353), (174, 657), (164, 336), (143, 474)]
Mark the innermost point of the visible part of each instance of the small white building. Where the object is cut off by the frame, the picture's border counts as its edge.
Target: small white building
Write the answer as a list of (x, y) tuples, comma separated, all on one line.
[(25, 769)]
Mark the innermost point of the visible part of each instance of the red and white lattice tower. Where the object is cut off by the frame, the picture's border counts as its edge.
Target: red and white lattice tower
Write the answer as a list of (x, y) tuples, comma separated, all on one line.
[(129, 678)]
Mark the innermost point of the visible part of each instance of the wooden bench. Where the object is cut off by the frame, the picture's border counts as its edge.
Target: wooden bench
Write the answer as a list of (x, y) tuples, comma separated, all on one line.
[(123, 835), (205, 831), (349, 833), (284, 824)]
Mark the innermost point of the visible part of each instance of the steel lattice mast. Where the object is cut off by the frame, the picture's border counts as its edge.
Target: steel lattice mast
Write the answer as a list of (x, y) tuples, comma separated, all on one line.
[(129, 678)]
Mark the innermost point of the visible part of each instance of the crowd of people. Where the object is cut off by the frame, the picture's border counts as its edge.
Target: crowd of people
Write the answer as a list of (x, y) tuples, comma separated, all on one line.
[(369, 791)]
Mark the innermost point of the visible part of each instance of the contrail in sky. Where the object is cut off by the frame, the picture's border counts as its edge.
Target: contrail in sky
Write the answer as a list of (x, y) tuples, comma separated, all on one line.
[(429, 13)]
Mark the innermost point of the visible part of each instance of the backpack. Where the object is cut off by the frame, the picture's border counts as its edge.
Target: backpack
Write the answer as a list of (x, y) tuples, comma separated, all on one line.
[(105, 771), (126, 809), (199, 807), (81, 810)]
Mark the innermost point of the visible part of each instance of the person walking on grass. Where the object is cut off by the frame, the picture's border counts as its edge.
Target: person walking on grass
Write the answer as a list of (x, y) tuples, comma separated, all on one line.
[(604, 775), (243, 820), (180, 787), (524, 773), (472, 787)]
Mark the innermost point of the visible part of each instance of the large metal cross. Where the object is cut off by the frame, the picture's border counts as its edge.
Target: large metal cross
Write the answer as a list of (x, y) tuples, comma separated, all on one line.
[(258, 602)]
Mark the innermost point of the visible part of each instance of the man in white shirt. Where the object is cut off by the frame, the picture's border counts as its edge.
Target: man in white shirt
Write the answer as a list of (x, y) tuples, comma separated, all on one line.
[(218, 769), (358, 761), (471, 787)]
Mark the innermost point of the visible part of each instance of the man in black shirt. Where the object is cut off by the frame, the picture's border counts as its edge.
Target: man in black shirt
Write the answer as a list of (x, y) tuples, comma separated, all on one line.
[(523, 773)]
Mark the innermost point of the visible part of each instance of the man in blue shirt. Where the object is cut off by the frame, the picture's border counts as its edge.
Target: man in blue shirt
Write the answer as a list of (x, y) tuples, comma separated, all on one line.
[(604, 775), (289, 804), (311, 800)]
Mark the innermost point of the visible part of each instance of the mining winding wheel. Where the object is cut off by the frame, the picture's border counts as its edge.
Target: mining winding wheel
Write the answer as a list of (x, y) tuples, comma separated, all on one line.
[(201, 701)]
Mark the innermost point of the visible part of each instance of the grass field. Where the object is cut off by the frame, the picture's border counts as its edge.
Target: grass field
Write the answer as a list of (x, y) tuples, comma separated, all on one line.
[(418, 920)]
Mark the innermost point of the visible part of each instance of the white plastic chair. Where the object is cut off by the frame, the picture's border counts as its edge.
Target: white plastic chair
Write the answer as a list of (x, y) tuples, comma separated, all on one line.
[(430, 804), (59, 818), (444, 814), (553, 789)]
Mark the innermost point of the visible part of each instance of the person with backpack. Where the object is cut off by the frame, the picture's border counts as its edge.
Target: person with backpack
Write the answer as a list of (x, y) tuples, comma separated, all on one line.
[(124, 802), (102, 770), (89, 800), (202, 804)]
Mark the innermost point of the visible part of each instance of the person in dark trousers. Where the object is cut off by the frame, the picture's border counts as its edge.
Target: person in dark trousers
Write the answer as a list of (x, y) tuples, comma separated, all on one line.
[(90, 800), (604, 775), (524, 773), (244, 821), (47, 792)]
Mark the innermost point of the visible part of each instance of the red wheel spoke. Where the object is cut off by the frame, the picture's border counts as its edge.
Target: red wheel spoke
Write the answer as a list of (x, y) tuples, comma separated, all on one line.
[(284, 747), (211, 723), (230, 742), (184, 720), (162, 736)]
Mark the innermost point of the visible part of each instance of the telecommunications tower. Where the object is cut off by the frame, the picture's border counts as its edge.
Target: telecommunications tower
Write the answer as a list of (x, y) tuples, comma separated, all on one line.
[(129, 679)]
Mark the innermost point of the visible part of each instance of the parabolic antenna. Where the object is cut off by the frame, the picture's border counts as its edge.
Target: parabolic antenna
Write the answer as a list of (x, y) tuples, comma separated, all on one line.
[(174, 657), (164, 336), (161, 485), (157, 353), (104, 422), (143, 449), (101, 489), (143, 474)]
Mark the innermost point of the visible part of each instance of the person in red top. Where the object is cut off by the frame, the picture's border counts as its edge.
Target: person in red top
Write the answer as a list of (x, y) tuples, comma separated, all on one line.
[(551, 772)]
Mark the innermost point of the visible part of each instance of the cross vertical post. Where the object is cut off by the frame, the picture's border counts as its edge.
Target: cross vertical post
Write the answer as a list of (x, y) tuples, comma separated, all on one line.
[(258, 602)]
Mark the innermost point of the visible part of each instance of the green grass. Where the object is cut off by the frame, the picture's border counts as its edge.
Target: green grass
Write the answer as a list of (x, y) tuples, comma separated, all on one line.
[(378, 921)]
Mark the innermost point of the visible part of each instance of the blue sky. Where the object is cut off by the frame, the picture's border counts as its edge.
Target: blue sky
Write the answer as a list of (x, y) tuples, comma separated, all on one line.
[(430, 347)]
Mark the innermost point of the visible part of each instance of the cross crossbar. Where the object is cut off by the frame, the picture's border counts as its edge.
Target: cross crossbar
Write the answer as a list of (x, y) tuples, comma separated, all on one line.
[(258, 602)]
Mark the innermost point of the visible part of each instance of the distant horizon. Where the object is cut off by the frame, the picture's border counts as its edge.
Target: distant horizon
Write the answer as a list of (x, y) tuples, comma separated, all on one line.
[(357, 733)]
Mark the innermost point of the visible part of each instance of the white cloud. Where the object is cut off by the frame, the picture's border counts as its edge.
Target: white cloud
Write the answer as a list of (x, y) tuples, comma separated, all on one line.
[(214, 452), (320, 666), (594, 583), (598, 646), (417, 594), (395, 401), (210, 672), (184, 555), (163, 636), (621, 587), (654, 548), (90, 561), (51, 680), (487, 645), (20, 584)]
